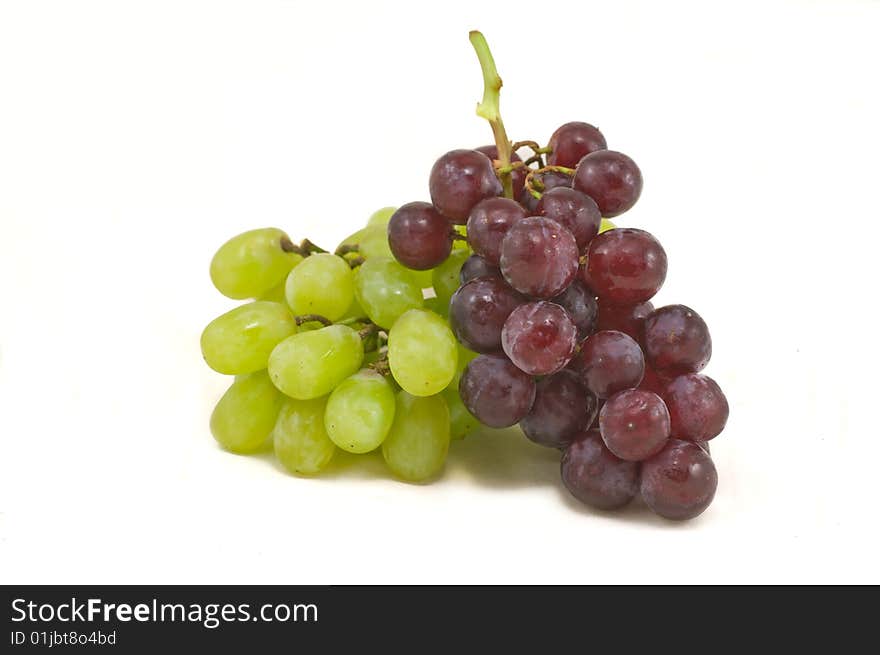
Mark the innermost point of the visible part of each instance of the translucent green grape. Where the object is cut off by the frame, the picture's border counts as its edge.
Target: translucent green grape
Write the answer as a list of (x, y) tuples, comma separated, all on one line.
[(437, 306), (386, 289), (355, 238), (276, 293), (422, 352), (415, 448), (461, 244), (445, 278), (465, 356), (244, 417), (310, 364), (374, 242), (250, 264), (321, 284), (606, 225), (240, 340), (360, 412), (300, 440), (461, 421), (381, 216), (354, 309)]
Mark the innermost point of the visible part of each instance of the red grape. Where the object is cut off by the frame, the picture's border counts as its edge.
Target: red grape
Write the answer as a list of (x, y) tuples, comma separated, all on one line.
[(676, 340), (419, 237), (610, 361), (611, 179), (562, 407), (679, 482), (495, 391), (573, 210), (489, 222), (697, 407), (572, 141), (459, 180), (474, 267), (539, 337), (623, 318), (634, 424), (654, 381), (596, 476), (539, 257), (625, 266), (478, 310), (581, 306)]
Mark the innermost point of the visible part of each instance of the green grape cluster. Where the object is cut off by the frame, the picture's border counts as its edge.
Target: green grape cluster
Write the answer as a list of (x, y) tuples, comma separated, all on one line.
[(345, 350)]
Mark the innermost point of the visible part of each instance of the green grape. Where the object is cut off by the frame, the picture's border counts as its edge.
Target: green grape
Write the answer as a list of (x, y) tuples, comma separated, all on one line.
[(461, 421), (240, 340), (415, 448), (354, 309), (437, 306), (276, 294), (355, 238), (321, 284), (310, 364), (461, 244), (374, 243), (244, 417), (446, 276), (382, 216), (465, 357), (386, 289), (422, 352), (300, 440), (360, 412), (606, 225), (250, 264)]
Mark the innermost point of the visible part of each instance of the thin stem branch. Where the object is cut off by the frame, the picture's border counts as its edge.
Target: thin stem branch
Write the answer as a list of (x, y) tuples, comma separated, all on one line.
[(312, 318)]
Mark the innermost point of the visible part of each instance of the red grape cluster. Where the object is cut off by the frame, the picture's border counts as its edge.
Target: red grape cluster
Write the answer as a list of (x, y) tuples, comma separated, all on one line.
[(570, 346)]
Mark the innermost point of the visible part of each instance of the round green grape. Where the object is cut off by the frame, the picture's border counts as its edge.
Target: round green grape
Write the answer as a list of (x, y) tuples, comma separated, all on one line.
[(415, 448), (321, 284), (355, 238), (445, 278), (461, 421), (310, 364), (250, 264), (276, 293), (381, 216), (386, 289), (606, 225), (461, 244), (422, 352), (240, 340), (437, 306), (244, 417), (301, 442), (360, 412)]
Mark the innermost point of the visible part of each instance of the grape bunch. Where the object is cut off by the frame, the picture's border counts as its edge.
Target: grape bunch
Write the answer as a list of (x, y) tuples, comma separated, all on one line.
[(333, 350), (508, 298)]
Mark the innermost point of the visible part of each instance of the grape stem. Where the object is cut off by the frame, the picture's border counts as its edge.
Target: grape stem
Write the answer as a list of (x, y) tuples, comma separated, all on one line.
[(535, 186), (312, 318), (381, 365), (347, 248), (489, 109), (304, 249), (368, 330)]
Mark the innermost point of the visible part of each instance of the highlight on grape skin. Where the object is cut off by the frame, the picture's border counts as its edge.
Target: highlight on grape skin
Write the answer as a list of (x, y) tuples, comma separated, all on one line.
[(505, 298)]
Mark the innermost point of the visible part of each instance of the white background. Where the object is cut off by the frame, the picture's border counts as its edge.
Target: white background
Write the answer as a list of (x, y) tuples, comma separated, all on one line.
[(136, 137)]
